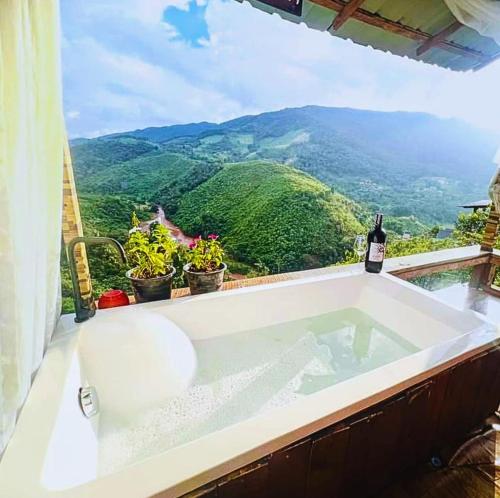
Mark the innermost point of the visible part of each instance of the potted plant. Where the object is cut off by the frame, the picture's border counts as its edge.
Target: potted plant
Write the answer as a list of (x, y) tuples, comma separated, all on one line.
[(205, 269), (150, 253)]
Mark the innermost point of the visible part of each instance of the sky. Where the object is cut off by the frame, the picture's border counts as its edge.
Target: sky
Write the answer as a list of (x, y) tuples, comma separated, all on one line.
[(130, 64)]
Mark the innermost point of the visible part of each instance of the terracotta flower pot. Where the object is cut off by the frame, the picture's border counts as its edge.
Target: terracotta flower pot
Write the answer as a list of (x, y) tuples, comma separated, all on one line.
[(201, 282), (152, 289)]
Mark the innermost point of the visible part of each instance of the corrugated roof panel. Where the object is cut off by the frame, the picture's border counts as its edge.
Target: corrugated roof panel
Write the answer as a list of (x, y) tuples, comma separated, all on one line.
[(375, 37), (440, 58), (437, 22), (373, 5), (437, 15), (390, 10), (468, 38), (319, 17), (428, 16)]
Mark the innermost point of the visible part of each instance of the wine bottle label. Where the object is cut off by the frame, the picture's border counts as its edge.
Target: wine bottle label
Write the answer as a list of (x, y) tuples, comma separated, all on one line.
[(376, 253)]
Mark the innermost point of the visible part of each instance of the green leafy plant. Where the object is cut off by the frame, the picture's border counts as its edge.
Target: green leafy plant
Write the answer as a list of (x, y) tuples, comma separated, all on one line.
[(205, 255), (150, 252), (259, 270)]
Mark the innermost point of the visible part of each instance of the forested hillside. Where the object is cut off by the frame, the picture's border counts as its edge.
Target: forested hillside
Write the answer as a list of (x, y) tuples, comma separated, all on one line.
[(103, 215), (157, 177), (93, 157), (272, 214), (406, 164)]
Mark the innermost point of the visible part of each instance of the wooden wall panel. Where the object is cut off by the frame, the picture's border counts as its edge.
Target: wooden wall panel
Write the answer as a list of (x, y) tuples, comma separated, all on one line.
[(355, 459), (383, 461), (328, 456), (450, 409), (250, 482), (438, 393), (288, 469), (472, 393), (413, 444), (489, 389), (465, 419)]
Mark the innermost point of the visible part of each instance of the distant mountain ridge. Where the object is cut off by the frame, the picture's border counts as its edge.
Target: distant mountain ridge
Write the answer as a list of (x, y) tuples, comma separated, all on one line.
[(162, 134), (406, 164), (420, 135)]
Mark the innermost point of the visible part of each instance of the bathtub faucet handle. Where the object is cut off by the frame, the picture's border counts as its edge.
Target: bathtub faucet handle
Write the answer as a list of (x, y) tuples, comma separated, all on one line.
[(88, 400)]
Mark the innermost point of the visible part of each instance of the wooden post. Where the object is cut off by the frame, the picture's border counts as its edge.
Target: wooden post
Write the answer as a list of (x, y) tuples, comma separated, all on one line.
[(346, 13), (439, 37), (483, 275), (72, 224), (491, 230)]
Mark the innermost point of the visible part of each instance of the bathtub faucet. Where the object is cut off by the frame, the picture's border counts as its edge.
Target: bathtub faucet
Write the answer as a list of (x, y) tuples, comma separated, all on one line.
[(85, 306)]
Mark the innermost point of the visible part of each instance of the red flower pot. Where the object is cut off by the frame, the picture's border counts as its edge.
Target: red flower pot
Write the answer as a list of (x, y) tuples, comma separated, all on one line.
[(113, 298)]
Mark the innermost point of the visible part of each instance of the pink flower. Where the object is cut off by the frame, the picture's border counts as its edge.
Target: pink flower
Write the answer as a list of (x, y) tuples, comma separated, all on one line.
[(213, 236), (198, 237), (192, 245)]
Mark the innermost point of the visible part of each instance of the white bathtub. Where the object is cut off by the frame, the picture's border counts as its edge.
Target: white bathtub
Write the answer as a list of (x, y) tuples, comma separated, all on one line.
[(55, 450)]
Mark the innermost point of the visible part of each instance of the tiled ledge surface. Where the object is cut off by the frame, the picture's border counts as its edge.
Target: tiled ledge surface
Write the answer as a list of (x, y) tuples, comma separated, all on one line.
[(391, 265)]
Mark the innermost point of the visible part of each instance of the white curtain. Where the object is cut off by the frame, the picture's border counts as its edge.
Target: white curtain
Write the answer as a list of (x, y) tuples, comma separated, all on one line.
[(31, 161), (481, 15)]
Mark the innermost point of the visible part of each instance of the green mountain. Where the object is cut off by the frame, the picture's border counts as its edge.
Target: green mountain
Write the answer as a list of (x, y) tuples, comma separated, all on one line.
[(96, 156), (406, 164), (272, 214), (415, 167)]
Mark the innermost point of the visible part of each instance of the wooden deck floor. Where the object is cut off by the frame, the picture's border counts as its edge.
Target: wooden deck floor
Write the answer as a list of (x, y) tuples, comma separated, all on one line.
[(470, 470)]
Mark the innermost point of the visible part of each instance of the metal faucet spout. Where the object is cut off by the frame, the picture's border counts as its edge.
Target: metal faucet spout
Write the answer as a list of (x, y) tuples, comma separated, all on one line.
[(85, 306)]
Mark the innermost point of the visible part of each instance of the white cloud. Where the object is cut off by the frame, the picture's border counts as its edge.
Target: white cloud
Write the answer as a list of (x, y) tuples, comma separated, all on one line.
[(122, 92), (73, 114), (144, 11), (124, 70)]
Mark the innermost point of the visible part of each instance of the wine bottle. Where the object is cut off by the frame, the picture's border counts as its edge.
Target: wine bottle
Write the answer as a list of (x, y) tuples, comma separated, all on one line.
[(375, 250)]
